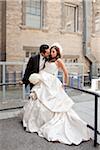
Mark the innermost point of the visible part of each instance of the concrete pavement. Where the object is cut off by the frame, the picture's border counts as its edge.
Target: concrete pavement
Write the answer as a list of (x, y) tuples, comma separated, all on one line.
[(13, 137)]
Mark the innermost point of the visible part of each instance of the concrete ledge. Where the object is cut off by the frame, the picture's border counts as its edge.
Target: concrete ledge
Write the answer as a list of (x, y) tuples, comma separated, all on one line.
[(11, 104), (10, 113)]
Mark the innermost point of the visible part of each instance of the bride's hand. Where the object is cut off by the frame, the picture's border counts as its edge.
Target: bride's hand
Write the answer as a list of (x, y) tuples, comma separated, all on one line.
[(33, 96)]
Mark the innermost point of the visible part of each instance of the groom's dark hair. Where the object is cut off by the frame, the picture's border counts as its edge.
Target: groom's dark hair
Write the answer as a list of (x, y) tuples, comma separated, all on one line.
[(43, 48)]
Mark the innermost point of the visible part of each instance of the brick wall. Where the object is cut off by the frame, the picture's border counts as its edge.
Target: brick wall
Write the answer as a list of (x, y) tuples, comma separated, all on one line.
[(18, 36)]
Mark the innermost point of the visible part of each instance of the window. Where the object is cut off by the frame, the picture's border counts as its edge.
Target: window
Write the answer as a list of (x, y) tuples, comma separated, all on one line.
[(71, 17), (30, 51), (27, 54), (32, 13), (97, 22), (71, 58)]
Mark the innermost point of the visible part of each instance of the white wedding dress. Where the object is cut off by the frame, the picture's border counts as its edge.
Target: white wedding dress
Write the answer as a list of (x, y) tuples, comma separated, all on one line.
[(49, 111)]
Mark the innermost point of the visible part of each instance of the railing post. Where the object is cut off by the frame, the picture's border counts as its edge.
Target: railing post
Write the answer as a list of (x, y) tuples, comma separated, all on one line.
[(14, 76), (78, 82), (4, 87), (95, 120), (72, 81), (24, 91)]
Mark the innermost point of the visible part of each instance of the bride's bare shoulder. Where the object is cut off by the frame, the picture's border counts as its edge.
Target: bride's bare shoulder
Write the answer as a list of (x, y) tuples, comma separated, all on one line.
[(59, 62)]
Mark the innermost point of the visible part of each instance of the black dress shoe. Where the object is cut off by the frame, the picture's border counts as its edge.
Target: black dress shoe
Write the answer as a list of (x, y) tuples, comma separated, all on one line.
[(21, 122), (22, 125), (24, 128)]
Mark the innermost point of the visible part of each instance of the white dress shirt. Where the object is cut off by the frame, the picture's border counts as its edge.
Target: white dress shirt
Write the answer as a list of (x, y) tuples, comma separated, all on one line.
[(42, 61)]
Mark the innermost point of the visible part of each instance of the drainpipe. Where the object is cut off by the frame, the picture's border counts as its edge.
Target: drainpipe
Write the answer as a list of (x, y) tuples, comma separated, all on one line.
[(3, 31), (87, 14), (3, 36)]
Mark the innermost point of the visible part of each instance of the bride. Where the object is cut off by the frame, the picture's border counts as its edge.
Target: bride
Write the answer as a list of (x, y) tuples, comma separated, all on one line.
[(49, 111)]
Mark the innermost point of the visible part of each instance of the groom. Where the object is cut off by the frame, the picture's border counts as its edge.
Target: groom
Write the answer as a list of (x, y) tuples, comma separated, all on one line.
[(35, 64)]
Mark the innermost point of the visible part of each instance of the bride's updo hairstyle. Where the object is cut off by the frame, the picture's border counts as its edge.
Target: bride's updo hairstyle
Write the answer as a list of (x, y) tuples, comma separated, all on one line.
[(58, 48)]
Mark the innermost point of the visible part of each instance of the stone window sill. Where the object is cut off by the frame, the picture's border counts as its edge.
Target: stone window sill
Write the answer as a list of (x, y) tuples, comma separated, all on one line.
[(63, 31), (24, 27)]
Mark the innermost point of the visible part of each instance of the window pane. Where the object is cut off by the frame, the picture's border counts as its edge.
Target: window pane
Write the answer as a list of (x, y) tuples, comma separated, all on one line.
[(27, 54), (33, 53), (33, 21), (33, 13)]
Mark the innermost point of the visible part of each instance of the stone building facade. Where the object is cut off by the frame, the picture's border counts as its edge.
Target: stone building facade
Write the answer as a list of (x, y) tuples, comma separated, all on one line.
[(30, 23)]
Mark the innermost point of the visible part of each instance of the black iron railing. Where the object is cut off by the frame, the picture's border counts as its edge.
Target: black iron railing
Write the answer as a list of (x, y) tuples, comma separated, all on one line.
[(95, 128)]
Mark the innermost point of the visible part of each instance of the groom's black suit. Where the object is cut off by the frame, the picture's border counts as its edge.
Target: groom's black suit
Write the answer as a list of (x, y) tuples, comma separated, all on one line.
[(32, 67)]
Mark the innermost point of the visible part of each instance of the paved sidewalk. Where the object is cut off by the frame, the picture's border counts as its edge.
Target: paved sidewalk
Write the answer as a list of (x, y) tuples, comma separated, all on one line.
[(13, 137)]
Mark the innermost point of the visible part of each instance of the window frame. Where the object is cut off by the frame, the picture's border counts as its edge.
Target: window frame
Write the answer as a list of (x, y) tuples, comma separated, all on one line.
[(30, 51), (42, 13), (76, 17)]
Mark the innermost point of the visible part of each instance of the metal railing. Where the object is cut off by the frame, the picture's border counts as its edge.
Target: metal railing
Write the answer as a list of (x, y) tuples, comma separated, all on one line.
[(12, 84), (10, 74), (76, 74), (95, 128)]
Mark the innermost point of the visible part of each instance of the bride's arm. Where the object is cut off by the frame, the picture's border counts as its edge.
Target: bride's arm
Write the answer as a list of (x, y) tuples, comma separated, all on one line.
[(63, 67)]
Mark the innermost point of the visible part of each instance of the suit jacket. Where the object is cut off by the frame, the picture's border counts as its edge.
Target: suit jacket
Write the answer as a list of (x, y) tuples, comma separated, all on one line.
[(32, 67)]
